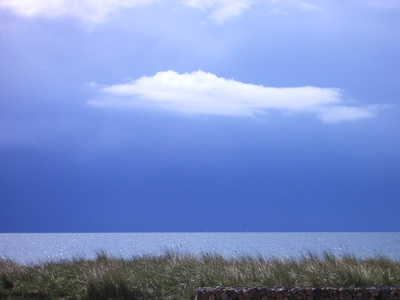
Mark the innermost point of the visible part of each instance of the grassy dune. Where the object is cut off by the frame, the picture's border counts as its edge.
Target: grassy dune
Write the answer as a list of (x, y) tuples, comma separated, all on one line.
[(176, 276)]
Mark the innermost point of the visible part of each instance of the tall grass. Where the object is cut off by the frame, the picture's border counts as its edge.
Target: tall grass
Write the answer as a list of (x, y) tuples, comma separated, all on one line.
[(176, 276)]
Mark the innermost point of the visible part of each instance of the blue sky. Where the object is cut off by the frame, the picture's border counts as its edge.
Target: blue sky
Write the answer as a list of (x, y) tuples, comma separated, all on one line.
[(189, 115)]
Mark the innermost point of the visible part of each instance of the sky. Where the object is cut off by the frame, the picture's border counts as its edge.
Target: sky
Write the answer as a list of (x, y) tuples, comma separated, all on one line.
[(199, 115)]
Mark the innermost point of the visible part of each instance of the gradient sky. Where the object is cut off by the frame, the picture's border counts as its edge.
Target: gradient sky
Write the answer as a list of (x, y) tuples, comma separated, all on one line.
[(199, 115)]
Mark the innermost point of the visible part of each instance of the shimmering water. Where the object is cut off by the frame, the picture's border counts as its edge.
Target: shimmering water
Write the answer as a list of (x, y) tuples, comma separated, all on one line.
[(38, 247)]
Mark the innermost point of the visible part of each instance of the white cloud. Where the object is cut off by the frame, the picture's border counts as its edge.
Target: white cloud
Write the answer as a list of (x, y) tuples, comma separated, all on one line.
[(221, 10), (285, 6), (97, 11), (308, 6), (205, 93), (94, 11), (337, 114)]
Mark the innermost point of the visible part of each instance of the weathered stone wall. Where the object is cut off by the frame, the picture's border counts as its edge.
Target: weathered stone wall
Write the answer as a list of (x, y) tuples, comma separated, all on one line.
[(299, 293)]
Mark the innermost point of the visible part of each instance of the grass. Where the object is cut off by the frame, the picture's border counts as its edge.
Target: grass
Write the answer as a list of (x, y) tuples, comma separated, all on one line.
[(176, 276)]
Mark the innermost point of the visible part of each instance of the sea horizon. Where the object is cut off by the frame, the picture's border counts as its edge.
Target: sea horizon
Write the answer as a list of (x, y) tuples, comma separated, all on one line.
[(38, 247)]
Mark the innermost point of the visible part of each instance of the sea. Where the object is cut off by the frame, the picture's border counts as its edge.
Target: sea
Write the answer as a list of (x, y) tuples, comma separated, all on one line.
[(35, 248)]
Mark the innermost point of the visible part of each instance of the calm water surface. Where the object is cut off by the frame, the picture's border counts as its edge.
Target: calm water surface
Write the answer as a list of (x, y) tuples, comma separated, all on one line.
[(39, 247)]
